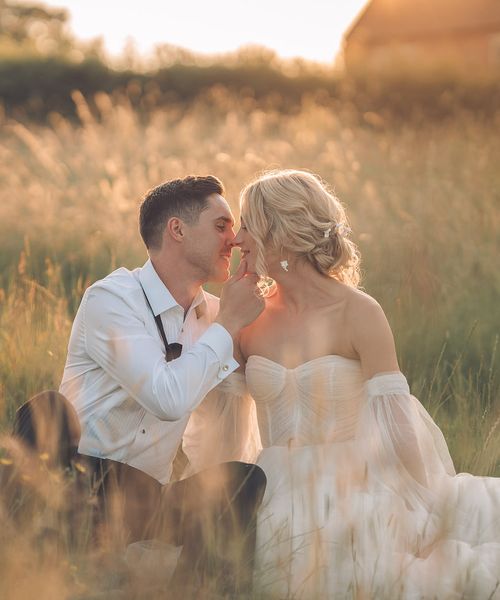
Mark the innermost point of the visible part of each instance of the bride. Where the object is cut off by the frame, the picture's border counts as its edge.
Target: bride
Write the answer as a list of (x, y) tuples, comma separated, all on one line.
[(362, 499)]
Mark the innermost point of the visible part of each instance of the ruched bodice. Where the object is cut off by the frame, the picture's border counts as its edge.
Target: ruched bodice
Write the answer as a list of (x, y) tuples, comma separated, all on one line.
[(315, 403)]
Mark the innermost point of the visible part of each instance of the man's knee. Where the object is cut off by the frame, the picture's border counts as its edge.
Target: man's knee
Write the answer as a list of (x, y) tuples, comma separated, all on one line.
[(257, 480), (250, 481), (48, 424)]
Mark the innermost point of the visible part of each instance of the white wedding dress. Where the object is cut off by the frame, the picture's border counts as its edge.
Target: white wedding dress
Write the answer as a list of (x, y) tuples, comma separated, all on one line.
[(362, 499)]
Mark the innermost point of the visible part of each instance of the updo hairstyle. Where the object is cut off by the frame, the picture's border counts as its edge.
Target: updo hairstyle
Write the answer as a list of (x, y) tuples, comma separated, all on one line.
[(294, 213)]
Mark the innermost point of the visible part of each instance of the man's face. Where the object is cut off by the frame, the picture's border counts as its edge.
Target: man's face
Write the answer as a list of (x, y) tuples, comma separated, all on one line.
[(209, 242)]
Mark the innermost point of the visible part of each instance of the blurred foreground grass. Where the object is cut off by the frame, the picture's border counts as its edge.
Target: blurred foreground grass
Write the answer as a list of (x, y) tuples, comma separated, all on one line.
[(423, 203)]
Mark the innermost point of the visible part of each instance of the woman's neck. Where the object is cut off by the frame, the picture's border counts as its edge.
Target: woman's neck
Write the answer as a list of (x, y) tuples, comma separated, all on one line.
[(303, 288)]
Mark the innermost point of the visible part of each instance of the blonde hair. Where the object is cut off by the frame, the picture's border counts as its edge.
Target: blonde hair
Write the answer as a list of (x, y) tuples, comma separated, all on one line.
[(294, 212)]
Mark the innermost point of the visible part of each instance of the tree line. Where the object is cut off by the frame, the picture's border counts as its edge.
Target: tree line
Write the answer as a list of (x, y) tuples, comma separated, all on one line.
[(42, 64)]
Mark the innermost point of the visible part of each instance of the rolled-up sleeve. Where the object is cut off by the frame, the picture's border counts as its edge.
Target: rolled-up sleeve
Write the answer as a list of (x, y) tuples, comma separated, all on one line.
[(117, 339)]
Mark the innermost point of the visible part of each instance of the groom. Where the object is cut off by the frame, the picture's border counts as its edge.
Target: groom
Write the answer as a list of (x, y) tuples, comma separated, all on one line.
[(145, 349)]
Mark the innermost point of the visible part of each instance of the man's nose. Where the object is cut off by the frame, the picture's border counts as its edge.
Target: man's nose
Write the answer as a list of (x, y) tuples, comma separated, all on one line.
[(237, 239), (229, 243)]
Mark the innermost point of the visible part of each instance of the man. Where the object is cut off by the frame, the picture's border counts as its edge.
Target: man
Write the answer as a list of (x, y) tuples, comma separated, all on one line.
[(134, 390)]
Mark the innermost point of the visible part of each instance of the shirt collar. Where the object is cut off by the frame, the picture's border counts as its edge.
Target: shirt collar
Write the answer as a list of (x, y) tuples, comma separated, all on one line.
[(159, 295), (199, 304)]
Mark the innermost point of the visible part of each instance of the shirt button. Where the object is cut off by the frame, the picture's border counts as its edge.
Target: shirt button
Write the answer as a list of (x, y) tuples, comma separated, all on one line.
[(225, 368)]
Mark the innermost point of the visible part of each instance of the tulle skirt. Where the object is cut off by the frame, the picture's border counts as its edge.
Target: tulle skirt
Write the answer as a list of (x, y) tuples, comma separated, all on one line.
[(328, 529)]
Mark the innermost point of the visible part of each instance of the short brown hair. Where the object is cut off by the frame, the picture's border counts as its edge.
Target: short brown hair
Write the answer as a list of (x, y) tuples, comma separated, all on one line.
[(184, 198)]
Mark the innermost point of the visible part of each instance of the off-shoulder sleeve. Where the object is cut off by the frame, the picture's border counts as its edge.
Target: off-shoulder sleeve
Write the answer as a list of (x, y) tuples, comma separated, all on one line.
[(224, 427), (401, 445)]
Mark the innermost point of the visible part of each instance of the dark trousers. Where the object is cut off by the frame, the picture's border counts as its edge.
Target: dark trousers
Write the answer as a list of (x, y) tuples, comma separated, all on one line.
[(211, 514)]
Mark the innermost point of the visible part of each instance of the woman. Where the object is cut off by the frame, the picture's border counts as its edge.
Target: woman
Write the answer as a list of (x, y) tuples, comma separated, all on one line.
[(362, 499)]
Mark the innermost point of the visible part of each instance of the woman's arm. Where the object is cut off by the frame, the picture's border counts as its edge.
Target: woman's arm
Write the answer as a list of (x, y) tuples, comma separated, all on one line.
[(371, 336), (393, 420)]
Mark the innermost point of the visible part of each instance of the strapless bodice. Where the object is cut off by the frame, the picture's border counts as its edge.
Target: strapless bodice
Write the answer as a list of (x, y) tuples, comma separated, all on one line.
[(317, 402)]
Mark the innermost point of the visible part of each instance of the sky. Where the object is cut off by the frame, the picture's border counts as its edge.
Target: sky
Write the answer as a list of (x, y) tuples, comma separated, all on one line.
[(310, 28)]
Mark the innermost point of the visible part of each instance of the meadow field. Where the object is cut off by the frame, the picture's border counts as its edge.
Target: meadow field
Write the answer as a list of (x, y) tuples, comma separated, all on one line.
[(423, 199)]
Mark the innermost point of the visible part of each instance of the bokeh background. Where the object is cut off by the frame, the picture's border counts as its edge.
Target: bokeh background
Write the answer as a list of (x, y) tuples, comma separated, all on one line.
[(402, 119)]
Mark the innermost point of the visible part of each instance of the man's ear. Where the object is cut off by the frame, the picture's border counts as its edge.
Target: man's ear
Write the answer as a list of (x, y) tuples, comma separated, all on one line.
[(175, 229)]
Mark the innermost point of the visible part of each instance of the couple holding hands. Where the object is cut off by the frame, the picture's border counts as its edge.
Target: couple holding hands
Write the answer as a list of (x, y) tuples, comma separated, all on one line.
[(311, 471)]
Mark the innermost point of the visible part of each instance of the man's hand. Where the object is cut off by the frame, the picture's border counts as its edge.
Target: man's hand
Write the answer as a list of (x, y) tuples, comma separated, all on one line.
[(241, 301)]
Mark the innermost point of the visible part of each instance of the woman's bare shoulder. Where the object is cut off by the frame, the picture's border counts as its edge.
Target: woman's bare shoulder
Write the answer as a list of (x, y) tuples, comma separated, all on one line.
[(371, 334), (360, 304)]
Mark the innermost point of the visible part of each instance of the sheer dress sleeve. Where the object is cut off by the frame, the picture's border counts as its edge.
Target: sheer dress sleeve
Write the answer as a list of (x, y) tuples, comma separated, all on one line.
[(401, 445), (224, 427)]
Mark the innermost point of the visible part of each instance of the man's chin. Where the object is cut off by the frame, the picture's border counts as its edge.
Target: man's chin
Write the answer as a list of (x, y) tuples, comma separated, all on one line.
[(220, 276)]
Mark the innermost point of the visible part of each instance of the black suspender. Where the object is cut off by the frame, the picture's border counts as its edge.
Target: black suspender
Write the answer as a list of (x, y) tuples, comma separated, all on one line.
[(171, 350)]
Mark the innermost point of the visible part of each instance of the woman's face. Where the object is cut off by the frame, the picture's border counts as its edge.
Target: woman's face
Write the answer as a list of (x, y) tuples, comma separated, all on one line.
[(248, 247)]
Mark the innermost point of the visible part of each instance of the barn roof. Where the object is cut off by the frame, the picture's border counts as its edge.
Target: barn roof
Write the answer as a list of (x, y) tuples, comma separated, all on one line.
[(408, 18)]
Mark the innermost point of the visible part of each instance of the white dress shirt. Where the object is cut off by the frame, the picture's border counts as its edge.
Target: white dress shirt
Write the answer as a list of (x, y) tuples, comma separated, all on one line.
[(133, 406)]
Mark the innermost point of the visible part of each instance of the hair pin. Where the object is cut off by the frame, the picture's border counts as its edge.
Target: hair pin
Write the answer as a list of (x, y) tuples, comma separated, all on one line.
[(341, 229), (327, 232)]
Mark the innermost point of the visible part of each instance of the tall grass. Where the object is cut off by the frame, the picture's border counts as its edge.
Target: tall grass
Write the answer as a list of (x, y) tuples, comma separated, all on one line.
[(423, 204)]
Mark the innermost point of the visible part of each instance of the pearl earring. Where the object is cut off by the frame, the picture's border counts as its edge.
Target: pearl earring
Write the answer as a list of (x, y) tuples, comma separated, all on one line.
[(284, 265)]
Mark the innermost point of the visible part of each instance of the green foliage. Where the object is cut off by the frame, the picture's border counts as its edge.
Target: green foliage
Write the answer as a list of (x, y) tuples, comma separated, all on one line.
[(33, 86), (35, 26)]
